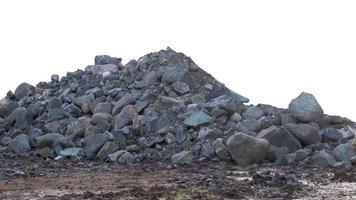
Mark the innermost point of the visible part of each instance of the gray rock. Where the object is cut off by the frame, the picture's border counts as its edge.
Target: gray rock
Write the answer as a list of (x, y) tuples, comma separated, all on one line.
[(105, 59), (197, 118), (306, 133), (108, 148), (20, 144), (122, 157), (22, 118), (252, 112), (332, 136), (5, 141), (125, 117), (207, 150), (344, 152), (220, 149), (180, 87), (280, 137), (184, 157), (7, 108), (73, 110), (54, 102), (173, 74), (170, 138), (323, 159), (23, 90), (95, 142), (48, 139), (71, 152), (277, 154), (224, 102), (129, 98), (306, 108), (207, 133), (85, 102), (126, 159), (287, 118), (103, 108), (252, 124), (246, 150), (103, 70)]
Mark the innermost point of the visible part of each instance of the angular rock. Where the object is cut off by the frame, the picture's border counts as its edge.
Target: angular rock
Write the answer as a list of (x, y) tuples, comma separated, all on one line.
[(323, 159), (197, 118), (252, 112), (103, 108), (306, 133), (94, 143), (180, 87), (224, 102), (246, 150), (306, 108), (122, 157), (108, 148), (184, 157), (332, 136), (105, 59), (280, 137)]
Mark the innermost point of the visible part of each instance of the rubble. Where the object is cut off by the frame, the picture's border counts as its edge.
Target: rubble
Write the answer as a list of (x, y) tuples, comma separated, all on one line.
[(164, 107)]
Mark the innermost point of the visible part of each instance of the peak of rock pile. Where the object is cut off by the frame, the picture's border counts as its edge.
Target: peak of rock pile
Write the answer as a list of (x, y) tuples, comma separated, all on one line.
[(164, 107)]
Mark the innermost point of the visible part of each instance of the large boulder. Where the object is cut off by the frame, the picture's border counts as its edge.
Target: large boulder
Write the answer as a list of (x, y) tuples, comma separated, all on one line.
[(246, 150), (20, 144), (306, 108), (306, 133), (48, 139), (280, 137)]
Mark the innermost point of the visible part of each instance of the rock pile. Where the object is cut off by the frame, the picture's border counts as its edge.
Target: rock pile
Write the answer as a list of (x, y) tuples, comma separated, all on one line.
[(164, 107)]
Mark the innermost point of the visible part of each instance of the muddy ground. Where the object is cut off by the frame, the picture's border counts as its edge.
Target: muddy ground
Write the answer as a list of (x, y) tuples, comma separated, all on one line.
[(33, 178)]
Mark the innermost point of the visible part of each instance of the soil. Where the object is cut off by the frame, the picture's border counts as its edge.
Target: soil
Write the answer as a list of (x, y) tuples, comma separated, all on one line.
[(34, 178)]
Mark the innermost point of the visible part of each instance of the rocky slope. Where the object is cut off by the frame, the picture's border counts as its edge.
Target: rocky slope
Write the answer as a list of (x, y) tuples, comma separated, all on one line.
[(164, 107)]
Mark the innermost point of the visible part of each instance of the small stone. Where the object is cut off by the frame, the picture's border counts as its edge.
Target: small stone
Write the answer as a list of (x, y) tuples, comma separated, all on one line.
[(306, 108), (170, 138), (184, 157), (55, 78), (236, 117), (223, 102), (247, 150), (71, 152), (73, 110)]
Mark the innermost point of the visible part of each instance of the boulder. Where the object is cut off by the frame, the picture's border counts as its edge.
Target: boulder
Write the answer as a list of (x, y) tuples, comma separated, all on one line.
[(280, 137), (48, 139), (306, 108), (344, 152), (105, 59), (323, 159), (20, 144), (23, 90), (247, 150), (94, 143), (307, 134)]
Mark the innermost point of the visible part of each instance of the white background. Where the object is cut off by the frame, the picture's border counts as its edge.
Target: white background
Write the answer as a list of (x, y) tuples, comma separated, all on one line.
[(268, 51)]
